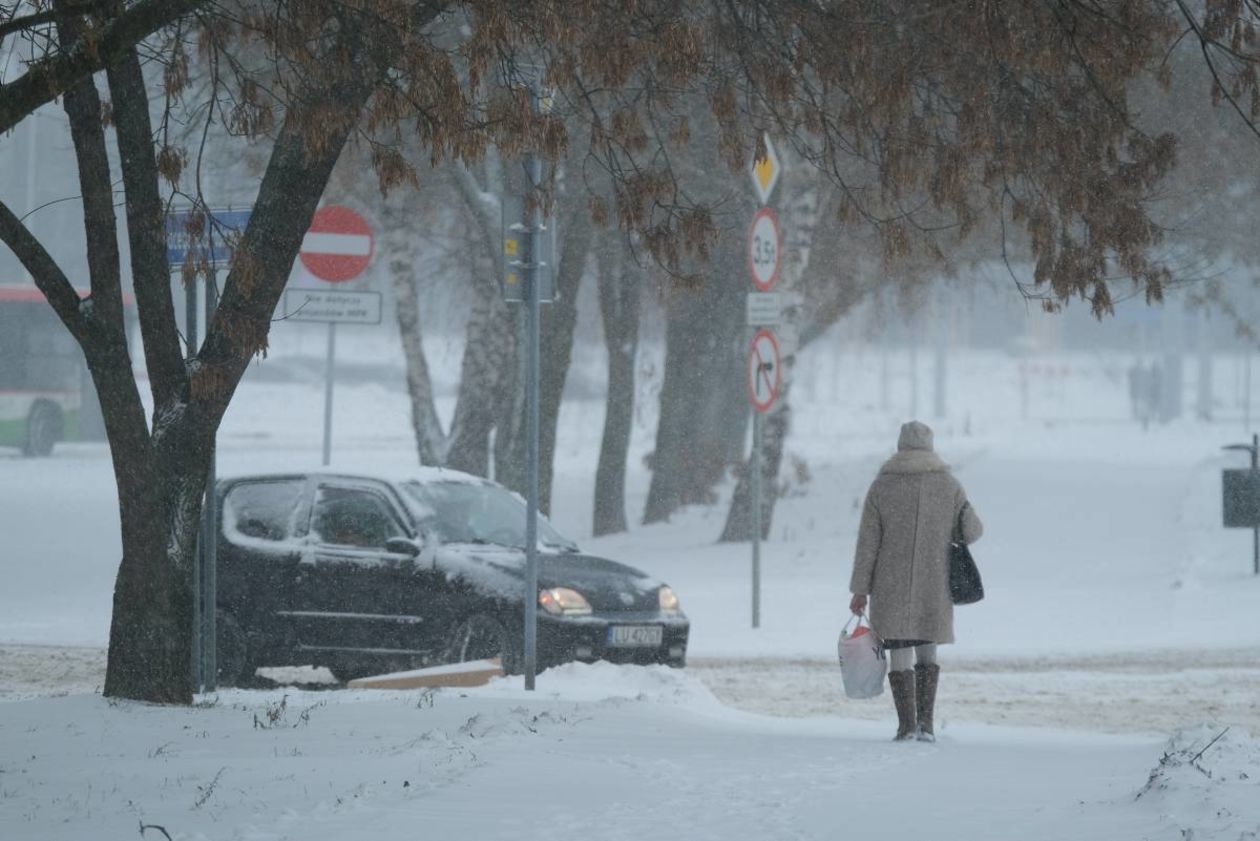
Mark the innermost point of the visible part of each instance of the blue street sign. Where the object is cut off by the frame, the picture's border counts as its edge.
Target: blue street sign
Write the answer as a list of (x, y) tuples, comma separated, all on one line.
[(221, 225)]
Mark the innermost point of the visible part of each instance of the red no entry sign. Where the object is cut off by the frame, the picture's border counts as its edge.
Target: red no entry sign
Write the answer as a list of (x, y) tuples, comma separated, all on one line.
[(338, 246), (765, 373)]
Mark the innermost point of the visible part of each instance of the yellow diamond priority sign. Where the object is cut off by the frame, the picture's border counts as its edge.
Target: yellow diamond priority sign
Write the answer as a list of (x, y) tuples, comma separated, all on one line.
[(765, 172)]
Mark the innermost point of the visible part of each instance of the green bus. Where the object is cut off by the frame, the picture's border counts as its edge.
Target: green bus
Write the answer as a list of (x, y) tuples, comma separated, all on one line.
[(46, 393)]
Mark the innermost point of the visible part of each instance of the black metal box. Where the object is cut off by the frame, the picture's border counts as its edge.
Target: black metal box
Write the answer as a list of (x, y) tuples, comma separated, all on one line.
[(1241, 500)]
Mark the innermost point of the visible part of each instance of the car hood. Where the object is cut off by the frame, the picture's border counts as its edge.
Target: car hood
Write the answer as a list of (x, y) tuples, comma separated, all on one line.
[(607, 585)]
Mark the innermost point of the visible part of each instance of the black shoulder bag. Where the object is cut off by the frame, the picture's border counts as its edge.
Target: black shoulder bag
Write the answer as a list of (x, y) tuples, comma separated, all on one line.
[(965, 586)]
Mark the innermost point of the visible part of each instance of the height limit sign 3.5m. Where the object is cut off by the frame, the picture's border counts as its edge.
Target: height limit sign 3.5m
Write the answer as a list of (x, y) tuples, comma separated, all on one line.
[(764, 249)]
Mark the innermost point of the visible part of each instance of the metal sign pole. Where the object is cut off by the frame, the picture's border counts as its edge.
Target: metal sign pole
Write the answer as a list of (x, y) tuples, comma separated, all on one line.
[(198, 672), (203, 665), (534, 277), (756, 524), (209, 533), (1255, 532), (328, 390)]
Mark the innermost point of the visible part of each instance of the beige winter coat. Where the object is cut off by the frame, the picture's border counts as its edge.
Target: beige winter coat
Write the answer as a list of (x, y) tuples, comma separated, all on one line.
[(902, 559)]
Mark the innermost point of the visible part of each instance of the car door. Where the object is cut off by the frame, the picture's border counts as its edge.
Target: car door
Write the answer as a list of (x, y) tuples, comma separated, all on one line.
[(259, 556), (353, 590)]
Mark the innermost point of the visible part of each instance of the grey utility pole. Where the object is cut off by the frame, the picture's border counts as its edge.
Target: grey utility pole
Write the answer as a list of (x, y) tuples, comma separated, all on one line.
[(199, 559), (533, 274), (205, 577), (210, 528), (756, 518), (329, 365)]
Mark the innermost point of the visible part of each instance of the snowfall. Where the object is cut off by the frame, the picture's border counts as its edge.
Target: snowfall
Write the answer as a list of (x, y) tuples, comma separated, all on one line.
[(1108, 687)]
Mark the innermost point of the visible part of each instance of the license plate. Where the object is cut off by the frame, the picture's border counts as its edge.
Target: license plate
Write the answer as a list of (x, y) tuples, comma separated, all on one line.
[(635, 636)]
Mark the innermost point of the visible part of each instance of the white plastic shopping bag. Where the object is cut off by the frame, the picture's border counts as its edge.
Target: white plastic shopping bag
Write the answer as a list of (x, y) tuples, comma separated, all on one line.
[(862, 661)]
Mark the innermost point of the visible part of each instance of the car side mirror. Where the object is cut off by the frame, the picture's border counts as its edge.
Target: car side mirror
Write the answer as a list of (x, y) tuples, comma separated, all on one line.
[(402, 546)]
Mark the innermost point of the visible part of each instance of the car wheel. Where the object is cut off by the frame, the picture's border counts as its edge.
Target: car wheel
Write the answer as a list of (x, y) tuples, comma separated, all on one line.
[(233, 663), (482, 637), (43, 429)]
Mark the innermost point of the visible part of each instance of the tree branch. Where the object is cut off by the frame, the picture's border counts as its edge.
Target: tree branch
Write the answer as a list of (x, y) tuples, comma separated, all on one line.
[(146, 230), (290, 191), (83, 107), (52, 76), (474, 199), (48, 276), (21, 24)]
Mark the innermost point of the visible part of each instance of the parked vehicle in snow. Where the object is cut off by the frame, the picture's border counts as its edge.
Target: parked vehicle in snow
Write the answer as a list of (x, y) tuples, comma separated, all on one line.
[(46, 393), (364, 574)]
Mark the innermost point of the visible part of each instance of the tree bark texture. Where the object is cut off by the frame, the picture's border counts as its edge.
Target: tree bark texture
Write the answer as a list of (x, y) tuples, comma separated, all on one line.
[(704, 408), (620, 304), (558, 323), (151, 624), (509, 462), (427, 427), (487, 374), (487, 348)]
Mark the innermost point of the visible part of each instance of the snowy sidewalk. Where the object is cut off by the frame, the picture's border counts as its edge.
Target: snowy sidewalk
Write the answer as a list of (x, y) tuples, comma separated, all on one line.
[(601, 751), (1146, 693)]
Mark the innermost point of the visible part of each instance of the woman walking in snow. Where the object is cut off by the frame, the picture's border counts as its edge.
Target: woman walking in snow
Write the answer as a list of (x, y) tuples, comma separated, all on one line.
[(902, 564)]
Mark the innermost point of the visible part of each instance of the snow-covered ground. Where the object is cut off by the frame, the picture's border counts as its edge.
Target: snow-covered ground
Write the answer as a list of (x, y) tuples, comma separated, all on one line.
[(605, 752), (1119, 615)]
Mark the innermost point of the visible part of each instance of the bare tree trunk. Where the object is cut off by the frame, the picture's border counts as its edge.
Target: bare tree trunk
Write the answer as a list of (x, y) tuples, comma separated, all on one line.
[(160, 473), (487, 372), (620, 302), (509, 466), (558, 324), (430, 441), (489, 353), (488, 346), (160, 497), (703, 409), (151, 625)]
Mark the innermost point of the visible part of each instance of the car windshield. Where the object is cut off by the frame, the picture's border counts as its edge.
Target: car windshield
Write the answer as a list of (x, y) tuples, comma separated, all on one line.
[(464, 512)]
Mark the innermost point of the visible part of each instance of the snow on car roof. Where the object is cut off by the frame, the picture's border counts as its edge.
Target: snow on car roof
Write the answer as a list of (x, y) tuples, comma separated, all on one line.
[(415, 474)]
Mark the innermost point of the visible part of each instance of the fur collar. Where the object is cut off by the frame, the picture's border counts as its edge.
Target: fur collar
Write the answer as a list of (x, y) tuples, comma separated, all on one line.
[(914, 461)]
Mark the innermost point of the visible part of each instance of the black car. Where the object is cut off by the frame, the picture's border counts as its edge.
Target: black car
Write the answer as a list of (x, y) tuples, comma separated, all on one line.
[(366, 575)]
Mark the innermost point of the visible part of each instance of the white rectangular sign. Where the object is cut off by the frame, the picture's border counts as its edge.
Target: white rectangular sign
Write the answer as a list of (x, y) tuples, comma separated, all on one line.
[(327, 305), (765, 309)]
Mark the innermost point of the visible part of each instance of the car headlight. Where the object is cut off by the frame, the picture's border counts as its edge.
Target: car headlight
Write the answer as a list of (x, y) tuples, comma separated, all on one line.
[(563, 601), (669, 600)]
